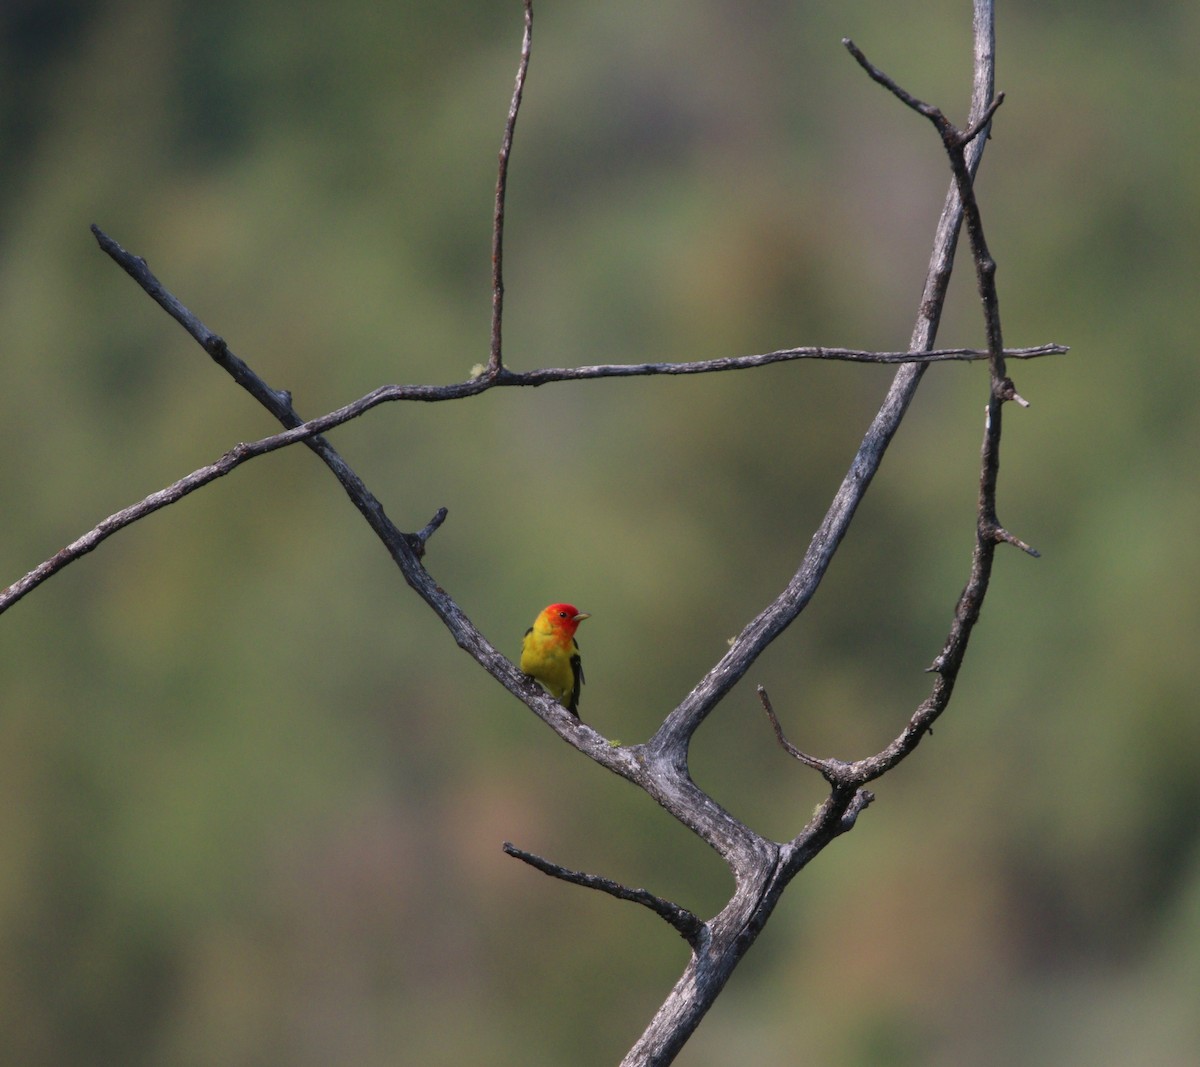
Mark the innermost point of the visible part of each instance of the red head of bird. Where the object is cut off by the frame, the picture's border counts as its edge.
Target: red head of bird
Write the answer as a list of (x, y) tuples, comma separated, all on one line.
[(561, 619)]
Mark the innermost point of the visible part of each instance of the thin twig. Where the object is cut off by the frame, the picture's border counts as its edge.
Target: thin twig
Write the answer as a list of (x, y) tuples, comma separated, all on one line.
[(103, 530), (420, 539), (1001, 534), (782, 355), (495, 361), (809, 761), (690, 927), (961, 138)]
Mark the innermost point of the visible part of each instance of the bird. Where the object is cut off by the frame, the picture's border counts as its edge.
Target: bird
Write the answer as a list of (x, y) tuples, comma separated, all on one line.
[(550, 654)]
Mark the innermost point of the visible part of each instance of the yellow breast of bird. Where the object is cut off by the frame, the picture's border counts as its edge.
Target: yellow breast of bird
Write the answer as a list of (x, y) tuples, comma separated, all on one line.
[(545, 658)]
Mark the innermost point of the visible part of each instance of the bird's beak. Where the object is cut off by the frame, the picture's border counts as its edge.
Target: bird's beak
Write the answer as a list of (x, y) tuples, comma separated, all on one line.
[(583, 615)]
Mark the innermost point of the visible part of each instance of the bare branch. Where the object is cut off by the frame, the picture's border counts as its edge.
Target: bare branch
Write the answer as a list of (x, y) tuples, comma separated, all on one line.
[(841, 809), (1001, 534), (709, 366), (81, 546), (934, 114), (495, 361), (761, 867), (278, 403), (809, 761), (691, 928), (419, 539)]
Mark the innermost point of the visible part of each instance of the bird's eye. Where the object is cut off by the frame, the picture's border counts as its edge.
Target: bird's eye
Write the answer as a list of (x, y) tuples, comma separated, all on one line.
[(562, 614)]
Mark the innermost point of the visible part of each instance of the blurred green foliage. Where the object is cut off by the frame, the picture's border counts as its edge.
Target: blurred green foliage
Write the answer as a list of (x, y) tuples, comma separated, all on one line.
[(252, 796)]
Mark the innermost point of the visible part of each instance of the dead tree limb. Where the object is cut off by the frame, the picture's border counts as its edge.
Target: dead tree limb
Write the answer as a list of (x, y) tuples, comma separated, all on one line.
[(762, 868)]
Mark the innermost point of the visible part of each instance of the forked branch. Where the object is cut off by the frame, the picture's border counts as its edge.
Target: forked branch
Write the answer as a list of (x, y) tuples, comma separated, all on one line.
[(762, 868)]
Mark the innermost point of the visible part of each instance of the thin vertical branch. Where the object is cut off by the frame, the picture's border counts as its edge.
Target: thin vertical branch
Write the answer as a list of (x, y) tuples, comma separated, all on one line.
[(495, 359)]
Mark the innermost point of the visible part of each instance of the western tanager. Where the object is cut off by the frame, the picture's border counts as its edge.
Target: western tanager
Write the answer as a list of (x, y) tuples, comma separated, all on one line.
[(550, 654)]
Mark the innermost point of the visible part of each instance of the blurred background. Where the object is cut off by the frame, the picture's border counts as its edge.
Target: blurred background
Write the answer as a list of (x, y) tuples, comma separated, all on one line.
[(252, 796)]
